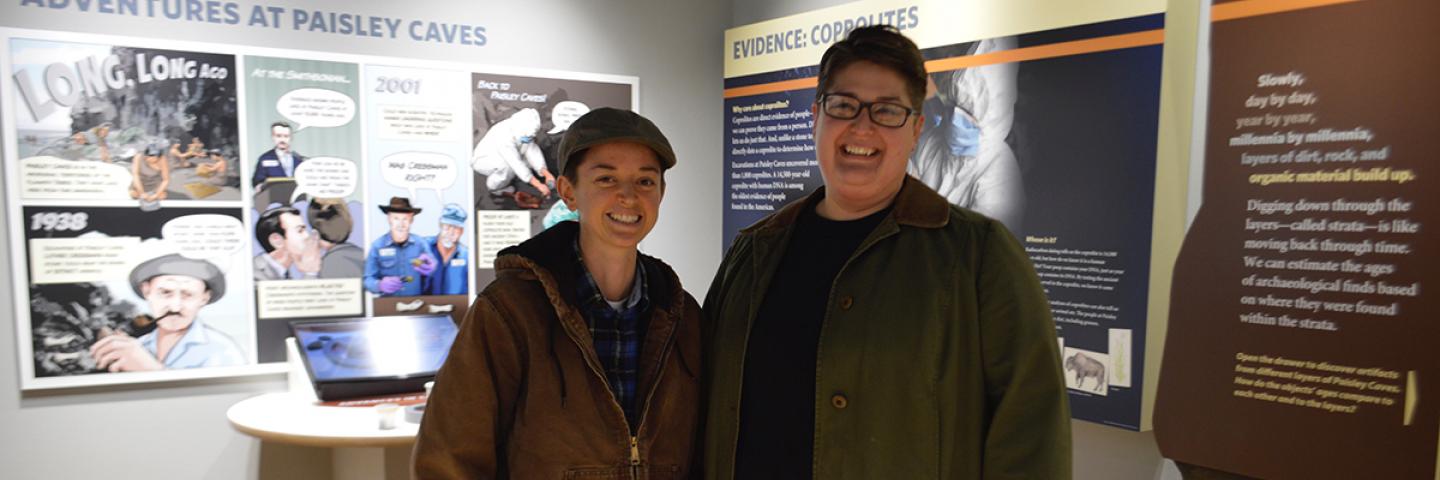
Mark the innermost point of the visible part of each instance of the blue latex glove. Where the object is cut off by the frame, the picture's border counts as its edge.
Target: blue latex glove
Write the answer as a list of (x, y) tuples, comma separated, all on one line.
[(559, 213), (964, 134), (389, 285), (427, 264)]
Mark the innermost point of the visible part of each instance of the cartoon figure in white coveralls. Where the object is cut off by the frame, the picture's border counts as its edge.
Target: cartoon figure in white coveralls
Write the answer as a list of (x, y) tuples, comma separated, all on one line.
[(508, 151)]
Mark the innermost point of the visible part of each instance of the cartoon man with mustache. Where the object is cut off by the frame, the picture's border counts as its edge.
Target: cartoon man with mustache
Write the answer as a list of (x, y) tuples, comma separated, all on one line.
[(176, 289)]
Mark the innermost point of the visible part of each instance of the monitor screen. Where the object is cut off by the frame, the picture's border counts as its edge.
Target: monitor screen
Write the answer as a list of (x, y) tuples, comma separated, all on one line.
[(382, 347)]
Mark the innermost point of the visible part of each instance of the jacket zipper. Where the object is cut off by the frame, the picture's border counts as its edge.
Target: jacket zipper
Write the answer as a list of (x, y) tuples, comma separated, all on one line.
[(635, 458), (635, 439), (645, 407)]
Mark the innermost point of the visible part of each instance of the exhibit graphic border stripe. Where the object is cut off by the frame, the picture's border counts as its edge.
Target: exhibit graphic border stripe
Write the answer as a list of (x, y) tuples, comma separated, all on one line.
[(1252, 8), (781, 86), (1062, 49), (1038, 52), (1219, 13)]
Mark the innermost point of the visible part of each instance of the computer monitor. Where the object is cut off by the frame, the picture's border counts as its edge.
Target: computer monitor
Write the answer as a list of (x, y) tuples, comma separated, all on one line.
[(360, 357)]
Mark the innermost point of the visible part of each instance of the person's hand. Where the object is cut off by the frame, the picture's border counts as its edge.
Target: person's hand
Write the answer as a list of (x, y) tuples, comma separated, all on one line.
[(309, 262), (391, 284), (549, 179), (427, 264), (122, 353), (544, 190)]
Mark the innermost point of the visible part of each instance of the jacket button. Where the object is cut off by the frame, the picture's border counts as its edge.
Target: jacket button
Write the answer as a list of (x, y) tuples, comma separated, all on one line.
[(839, 401), (846, 302)]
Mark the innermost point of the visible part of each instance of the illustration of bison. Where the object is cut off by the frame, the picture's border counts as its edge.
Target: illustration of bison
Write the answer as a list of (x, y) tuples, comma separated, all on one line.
[(1084, 367)]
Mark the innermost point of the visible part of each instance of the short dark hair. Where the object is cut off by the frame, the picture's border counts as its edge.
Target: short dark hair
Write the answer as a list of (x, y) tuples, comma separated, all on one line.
[(882, 45), (281, 123), (331, 220), (268, 223)]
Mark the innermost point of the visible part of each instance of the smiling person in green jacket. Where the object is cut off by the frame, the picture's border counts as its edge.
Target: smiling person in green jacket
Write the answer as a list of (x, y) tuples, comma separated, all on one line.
[(871, 329)]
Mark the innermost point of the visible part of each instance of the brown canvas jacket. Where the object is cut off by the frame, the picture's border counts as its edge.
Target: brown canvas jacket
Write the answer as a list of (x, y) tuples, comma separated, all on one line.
[(523, 394)]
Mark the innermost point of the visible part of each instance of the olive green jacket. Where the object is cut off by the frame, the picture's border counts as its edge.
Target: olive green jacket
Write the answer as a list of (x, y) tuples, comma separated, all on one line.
[(937, 358)]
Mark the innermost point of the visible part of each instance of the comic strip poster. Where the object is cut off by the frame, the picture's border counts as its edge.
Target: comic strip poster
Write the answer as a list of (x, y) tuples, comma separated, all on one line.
[(174, 209), (303, 164), (124, 197), (517, 125), (417, 260)]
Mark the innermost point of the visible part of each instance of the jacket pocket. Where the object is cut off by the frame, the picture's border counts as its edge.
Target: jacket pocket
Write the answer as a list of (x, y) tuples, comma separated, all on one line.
[(389, 263), (652, 472), (664, 472), (597, 473)]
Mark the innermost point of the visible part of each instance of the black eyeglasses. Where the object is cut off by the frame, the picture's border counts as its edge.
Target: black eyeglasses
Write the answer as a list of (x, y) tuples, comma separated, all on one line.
[(846, 107)]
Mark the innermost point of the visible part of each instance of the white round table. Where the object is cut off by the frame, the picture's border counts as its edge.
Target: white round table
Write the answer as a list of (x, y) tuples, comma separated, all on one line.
[(353, 433), (300, 420)]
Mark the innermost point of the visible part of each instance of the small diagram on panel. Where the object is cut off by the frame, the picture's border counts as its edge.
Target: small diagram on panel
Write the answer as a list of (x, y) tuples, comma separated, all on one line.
[(1086, 371), (110, 122), (1121, 359)]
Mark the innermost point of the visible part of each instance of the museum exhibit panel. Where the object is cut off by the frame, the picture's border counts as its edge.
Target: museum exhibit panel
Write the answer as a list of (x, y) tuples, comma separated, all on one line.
[(241, 235)]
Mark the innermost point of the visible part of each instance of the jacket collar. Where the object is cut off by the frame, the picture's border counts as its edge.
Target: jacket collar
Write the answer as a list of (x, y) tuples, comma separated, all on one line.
[(916, 205), (552, 254)]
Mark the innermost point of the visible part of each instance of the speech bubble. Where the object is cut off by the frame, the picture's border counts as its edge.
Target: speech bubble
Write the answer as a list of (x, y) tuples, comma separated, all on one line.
[(205, 236), (417, 170), (325, 177), (316, 107), (56, 178), (86, 259), (565, 113), (418, 122)]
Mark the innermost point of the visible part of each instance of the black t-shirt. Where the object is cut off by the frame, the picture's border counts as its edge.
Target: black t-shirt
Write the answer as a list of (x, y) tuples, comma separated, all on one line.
[(777, 404)]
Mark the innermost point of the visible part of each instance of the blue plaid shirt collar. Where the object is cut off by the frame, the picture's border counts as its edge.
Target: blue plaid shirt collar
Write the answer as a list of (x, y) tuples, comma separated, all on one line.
[(617, 334)]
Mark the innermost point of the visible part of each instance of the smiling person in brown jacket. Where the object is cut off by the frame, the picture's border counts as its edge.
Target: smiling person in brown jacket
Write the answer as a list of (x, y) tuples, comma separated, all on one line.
[(581, 359)]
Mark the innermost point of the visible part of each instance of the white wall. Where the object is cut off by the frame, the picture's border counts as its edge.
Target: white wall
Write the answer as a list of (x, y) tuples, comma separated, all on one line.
[(179, 431)]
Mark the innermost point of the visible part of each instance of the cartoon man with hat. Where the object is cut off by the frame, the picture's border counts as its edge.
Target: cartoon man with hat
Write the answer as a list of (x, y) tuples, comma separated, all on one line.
[(176, 288), (453, 277), (398, 264)]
